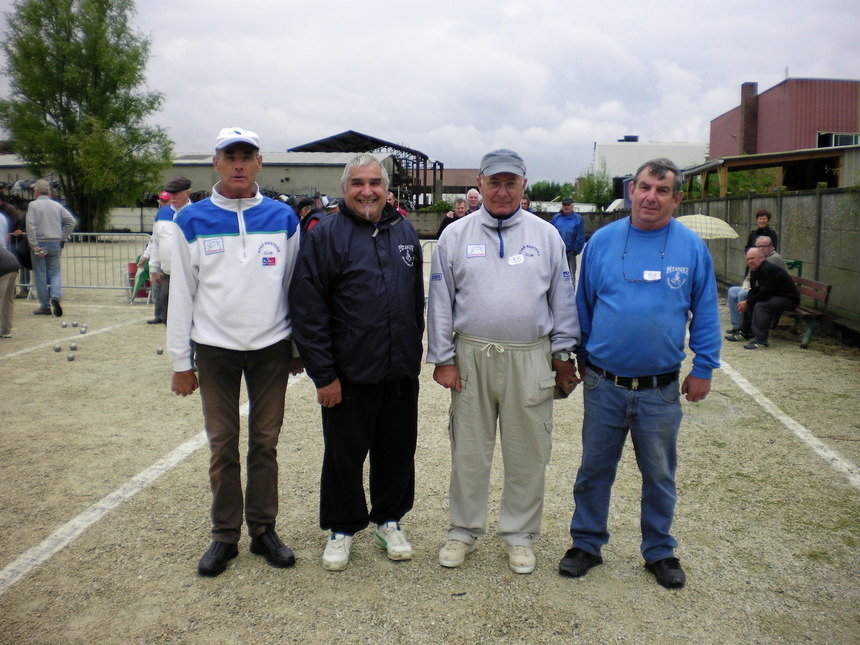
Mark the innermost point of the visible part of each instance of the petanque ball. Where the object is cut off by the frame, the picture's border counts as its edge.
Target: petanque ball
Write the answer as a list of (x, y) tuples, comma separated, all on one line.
[(64, 324), (159, 351), (73, 347), (74, 323), (57, 348), (70, 357)]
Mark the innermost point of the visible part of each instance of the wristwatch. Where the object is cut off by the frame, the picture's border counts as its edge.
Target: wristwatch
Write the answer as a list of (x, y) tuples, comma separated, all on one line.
[(561, 356)]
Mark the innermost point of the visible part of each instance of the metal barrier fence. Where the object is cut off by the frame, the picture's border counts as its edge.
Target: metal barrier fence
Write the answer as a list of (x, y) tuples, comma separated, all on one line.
[(100, 260), (427, 248)]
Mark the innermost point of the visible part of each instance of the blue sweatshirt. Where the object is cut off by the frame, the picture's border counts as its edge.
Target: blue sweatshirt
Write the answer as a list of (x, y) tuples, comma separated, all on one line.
[(572, 231), (633, 310)]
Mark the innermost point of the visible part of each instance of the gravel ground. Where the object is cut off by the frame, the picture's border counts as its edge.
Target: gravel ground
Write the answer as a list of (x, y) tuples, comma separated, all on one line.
[(769, 532)]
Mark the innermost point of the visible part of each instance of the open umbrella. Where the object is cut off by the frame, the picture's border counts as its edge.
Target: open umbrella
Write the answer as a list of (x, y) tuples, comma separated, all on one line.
[(708, 228)]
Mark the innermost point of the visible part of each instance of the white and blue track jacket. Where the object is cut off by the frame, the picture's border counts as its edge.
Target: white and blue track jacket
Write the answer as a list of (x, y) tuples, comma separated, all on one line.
[(230, 277)]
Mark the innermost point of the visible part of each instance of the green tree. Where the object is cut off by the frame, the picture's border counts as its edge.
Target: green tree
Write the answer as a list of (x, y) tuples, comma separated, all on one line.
[(547, 191), (595, 187), (77, 107)]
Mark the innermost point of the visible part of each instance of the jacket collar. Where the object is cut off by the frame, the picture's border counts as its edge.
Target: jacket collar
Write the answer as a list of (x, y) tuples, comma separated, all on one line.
[(235, 205)]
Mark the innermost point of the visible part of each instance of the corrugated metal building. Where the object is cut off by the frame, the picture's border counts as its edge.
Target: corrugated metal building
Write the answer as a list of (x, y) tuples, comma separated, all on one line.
[(797, 114)]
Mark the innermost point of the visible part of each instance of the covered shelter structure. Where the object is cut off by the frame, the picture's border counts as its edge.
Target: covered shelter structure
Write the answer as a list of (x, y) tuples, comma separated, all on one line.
[(837, 167), (415, 175)]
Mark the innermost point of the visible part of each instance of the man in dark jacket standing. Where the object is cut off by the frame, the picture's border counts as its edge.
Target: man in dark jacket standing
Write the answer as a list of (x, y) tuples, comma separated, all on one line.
[(772, 291), (358, 294)]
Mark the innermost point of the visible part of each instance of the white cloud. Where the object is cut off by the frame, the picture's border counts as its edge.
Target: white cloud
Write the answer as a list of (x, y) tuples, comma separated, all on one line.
[(455, 79)]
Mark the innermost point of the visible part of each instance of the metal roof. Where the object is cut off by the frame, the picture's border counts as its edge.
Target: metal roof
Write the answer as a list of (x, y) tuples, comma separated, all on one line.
[(352, 141)]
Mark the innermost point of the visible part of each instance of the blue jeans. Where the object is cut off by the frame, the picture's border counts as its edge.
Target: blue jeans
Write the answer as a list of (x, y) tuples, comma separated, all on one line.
[(734, 296), (47, 271), (652, 416)]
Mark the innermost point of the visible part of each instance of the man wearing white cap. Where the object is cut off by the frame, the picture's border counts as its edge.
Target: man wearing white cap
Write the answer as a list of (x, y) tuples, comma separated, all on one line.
[(232, 263), (502, 324)]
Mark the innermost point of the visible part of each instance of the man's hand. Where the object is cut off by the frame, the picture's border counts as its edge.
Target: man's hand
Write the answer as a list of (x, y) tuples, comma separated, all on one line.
[(696, 389), (565, 376), (297, 366), (184, 383), (448, 376), (330, 395), (742, 306), (143, 262), (155, 276)]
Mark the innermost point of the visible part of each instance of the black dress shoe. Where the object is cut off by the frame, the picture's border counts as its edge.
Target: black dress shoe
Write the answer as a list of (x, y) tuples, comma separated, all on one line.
[(56, 307), (154, 321), (269, 545), (668, 572), (577, 562), (214, 561)]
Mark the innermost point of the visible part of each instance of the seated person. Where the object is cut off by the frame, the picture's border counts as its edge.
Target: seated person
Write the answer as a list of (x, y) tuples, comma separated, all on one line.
[(739, 294), (772, 291)]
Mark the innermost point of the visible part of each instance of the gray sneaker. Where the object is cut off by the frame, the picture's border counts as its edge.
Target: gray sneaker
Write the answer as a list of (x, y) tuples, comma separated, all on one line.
[(454, 553)]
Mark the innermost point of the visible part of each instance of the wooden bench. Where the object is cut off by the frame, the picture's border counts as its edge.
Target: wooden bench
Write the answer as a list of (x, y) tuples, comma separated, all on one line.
[(818, 292)]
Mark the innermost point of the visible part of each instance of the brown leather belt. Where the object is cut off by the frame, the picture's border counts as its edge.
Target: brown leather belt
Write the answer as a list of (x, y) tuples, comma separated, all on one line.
[(635, 382)]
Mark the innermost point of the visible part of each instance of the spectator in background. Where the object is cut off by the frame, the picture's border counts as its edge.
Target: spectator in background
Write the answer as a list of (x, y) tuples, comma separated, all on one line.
[(49, 225), (473, 200), (16, 226), (393, 201), (160, 246), (525, 204), (143, 263), (459, 211), (8, 272), (735, 295), (309, 214), (762, 218), (772, 291), (572, 230)]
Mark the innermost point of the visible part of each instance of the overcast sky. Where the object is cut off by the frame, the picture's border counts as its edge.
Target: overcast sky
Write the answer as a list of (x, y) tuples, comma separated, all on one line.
[(457, 78)]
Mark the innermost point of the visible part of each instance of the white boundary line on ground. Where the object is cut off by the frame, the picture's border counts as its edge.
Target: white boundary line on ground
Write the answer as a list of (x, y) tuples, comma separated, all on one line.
[(71, 530), (831, 456)]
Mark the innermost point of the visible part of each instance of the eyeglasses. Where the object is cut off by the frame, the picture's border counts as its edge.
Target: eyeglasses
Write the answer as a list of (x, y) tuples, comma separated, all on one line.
[(510, 185), (762, 246), (647, 276), (233, 157)]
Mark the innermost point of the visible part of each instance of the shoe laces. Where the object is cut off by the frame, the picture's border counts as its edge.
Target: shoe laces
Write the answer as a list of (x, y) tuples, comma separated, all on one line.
[(393, 534), (337, 543), (519, 550)]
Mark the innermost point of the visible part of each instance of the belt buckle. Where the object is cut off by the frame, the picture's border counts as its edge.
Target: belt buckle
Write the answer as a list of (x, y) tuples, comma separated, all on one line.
[(635, 384)]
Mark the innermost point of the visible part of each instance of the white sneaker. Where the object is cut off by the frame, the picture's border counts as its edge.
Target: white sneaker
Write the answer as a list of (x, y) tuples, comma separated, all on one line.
[(521, 558), (454, 553), (391, 538), (336, 554)]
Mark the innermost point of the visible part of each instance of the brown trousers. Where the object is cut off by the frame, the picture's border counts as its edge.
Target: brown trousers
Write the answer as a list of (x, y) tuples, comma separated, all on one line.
[(220, 372)]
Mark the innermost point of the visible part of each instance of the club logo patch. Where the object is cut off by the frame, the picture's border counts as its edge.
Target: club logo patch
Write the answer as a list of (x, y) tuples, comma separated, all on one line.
[(213, 245), (435, 277), (529, 251), (407, 253), (565, 275), (270, 261), (677, 276), (476, 250)]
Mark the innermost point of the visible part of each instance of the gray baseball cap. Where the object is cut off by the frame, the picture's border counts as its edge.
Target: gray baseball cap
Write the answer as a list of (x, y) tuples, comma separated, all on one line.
[(503, 160)]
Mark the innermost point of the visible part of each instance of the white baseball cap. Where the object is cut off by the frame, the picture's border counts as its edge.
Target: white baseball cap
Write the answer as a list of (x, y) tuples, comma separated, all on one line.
[(229, 136)]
